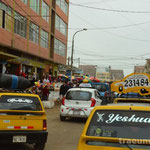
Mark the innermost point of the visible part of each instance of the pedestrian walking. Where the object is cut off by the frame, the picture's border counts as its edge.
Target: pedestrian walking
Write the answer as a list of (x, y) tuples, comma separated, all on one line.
[(63, 89), (45, 93)]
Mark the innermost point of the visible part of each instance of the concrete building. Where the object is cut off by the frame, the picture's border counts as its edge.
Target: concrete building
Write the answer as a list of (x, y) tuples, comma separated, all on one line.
[(116, 74), (33, 36), (102, 73), (88, 69), (147, 66), (139, 69)]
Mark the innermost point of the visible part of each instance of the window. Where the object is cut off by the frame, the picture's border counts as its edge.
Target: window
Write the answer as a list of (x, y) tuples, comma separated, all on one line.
[(44, 39), (120, 124), (5, 16), (20, 26), (34, 33), (13, 102), (60, 25), (35, 5), (60, 48), (63, 5), (57, 22), (78, 95), (25, 1), (63, 27), (45, 11), (58, 2)]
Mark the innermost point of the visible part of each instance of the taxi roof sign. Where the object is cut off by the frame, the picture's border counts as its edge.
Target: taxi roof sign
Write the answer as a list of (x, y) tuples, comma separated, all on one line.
[(135, 82)]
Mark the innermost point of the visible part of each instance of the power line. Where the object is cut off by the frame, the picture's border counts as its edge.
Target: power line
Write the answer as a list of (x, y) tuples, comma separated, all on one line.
[(126, 18), (108, 32), (101, 28), (116, 27), (111, 10)]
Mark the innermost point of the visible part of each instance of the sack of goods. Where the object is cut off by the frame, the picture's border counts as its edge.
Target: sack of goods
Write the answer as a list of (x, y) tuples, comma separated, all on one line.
[(8, 81)]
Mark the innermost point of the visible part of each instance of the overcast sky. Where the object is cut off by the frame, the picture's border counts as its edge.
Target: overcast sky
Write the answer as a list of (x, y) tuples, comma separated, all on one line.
[(122, 47)]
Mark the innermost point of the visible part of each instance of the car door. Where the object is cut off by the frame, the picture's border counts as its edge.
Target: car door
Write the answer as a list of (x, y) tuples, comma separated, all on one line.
[(97, 98)]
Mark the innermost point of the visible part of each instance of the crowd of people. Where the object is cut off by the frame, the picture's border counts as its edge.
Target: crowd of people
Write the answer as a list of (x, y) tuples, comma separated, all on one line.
[(44, 87)]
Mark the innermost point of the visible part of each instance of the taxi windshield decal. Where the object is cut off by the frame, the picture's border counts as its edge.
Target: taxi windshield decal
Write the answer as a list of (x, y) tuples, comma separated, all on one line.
[(19, 100), (122, 118), (135, 82)]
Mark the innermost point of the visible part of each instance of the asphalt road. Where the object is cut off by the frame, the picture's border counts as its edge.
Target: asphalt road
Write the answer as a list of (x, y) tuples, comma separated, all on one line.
[(62, 135)]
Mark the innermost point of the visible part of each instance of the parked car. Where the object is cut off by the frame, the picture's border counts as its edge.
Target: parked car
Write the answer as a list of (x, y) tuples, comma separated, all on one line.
[(79, 102)]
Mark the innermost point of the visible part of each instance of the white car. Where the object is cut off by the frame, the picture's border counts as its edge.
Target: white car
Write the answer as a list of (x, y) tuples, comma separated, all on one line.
[(79, 102)]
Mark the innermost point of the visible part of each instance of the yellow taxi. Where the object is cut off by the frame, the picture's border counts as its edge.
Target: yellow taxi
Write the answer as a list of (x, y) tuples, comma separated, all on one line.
[(22, 119), (117, 127)]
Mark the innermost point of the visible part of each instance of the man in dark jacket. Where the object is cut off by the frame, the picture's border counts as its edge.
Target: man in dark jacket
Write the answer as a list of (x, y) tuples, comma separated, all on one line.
[(63, 89)]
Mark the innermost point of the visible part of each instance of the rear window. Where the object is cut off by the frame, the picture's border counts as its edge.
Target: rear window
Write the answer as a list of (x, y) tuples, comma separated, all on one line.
[(79, 95), (100, 87), (120, 124), (11, 102)]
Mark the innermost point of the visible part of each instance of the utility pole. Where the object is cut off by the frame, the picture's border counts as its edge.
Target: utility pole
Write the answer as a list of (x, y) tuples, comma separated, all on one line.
[(68, 61), (78, 62)]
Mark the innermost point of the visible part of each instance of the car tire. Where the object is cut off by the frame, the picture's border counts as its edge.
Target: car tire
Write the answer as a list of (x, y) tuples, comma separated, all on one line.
[(39, 146), (120, 88), (62, 118)]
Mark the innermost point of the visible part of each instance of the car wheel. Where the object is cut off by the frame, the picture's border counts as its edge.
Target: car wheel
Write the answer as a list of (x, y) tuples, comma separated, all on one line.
[(143, 91), (120, 88), (39, 146), (62, 118)]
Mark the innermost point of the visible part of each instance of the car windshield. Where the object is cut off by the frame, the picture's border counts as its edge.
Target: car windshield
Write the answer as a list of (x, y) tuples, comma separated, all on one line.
[(11, 102), (100, 87), (120, 124), (79, 95)]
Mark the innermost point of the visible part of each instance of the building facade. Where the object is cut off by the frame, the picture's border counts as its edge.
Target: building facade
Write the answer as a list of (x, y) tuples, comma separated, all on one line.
[(139, 69), (33, 36), (116, 74), (147, 66), (102, 73), (88, 69)]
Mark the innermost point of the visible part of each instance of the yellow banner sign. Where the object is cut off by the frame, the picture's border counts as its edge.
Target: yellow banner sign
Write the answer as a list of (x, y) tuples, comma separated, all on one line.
[(135, 82)]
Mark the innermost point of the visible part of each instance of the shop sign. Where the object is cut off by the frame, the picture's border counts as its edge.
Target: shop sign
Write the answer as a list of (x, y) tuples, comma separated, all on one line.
[(135, 82), (29, 62)]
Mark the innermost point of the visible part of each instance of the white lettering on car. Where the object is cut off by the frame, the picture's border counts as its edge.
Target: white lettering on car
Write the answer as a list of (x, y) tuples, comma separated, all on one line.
[(119, 118), (19, 100), (100, 117)]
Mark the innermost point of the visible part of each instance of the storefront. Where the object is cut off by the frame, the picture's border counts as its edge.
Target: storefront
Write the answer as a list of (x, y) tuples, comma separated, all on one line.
[(55, 70), (29, 68), (4, 58)]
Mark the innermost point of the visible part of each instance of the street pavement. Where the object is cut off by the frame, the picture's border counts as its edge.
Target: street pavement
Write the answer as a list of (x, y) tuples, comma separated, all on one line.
[(63, 135)]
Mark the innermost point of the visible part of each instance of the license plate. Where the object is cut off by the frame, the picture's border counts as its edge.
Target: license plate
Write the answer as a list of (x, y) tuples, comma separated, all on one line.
[(19, 139), (75, 112)]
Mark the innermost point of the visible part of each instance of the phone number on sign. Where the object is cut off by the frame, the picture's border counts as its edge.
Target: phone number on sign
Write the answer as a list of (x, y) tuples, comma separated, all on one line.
[(136, 82)]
